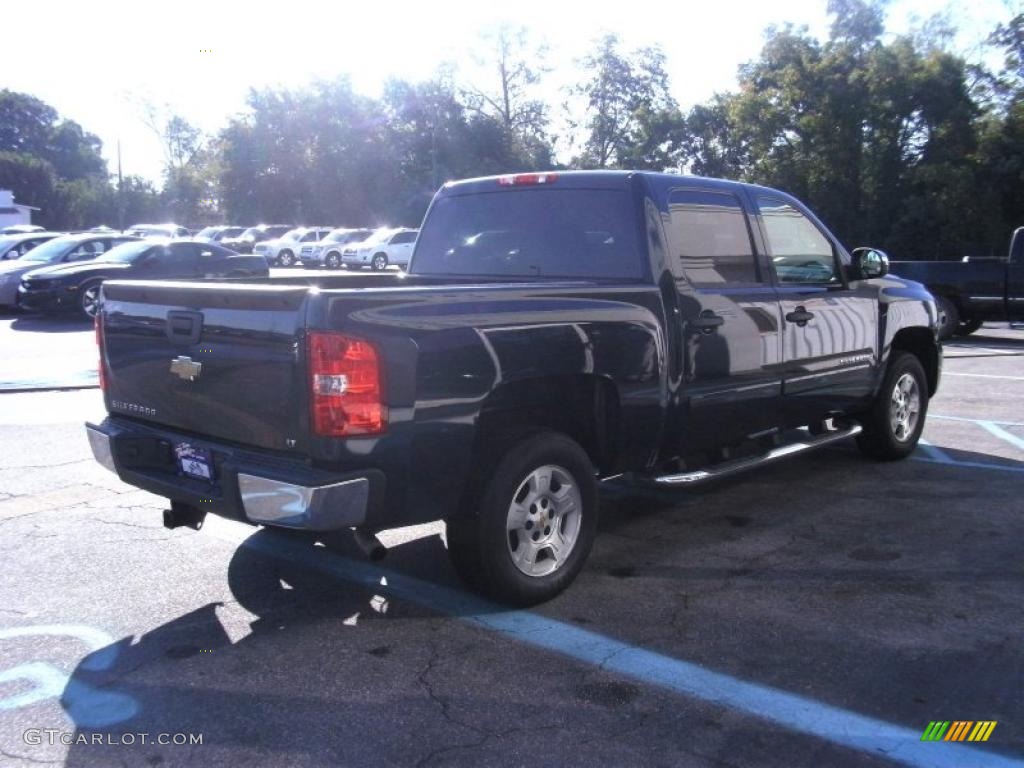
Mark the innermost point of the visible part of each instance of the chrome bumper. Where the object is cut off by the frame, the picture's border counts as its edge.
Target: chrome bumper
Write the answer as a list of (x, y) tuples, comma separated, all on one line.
[(322, 508), (264, 500)]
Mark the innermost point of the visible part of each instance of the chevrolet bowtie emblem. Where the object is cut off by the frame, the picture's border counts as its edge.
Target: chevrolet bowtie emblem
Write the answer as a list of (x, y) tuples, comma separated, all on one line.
[(186, 368)]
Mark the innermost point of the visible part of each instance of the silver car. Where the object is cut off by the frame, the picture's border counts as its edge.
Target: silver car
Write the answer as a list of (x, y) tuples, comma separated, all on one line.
[(285, 251), (17, 245), (327, 252)]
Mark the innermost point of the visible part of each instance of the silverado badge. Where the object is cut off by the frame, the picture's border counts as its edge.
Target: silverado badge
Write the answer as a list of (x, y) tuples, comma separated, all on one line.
[(185, 368)]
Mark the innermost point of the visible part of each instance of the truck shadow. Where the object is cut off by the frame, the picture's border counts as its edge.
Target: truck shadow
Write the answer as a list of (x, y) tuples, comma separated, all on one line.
[(321, 657)]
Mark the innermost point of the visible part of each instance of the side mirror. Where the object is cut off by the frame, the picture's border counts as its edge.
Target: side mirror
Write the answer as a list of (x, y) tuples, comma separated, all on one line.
[(869, 263)]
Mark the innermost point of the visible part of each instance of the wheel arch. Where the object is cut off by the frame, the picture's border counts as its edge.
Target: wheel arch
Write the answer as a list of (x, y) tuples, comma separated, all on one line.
[(921, 343), (586, 407)]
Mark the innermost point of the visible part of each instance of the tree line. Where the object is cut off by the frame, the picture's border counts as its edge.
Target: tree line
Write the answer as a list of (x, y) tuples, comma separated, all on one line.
[(895, 142)]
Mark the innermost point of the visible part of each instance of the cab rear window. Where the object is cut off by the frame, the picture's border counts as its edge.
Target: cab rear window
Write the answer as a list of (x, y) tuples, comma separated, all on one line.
[(530, 233)]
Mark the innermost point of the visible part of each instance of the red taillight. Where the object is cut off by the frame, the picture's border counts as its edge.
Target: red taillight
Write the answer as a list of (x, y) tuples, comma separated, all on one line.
[(101, 368), (345, 386), (517, 179)]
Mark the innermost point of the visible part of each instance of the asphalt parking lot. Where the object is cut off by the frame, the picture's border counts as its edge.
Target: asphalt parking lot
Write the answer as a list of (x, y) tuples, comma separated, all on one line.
[(820, 612)]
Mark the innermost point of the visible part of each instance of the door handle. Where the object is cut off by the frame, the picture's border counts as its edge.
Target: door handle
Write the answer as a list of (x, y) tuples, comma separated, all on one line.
[(800, 316), (707, 321)]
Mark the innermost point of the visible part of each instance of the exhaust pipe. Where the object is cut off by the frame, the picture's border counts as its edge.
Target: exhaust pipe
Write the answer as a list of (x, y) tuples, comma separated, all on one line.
[(370, 544), (183, 515)]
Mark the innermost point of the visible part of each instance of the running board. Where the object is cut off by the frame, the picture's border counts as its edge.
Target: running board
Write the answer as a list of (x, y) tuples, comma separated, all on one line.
[(727, 468)]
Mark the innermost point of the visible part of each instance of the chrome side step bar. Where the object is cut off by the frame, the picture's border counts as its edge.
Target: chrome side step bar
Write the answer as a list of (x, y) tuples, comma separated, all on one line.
[(727, 468)]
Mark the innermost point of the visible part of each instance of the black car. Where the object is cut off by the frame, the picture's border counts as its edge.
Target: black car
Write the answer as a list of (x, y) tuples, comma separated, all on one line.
[(76, 287), (244, 243)]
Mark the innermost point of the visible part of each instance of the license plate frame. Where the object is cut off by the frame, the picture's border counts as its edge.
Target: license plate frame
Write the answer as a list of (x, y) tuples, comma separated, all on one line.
[(194, 462)]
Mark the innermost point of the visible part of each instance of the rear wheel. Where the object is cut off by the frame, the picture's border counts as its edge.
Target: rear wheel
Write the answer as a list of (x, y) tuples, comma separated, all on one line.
[(894, 423), (531, 529), (949, 317), (286, 259), (380, 262), (333, 260), (89, 299)]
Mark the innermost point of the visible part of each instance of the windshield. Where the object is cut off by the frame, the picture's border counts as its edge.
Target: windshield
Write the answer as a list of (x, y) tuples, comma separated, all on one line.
[(208, 232), (231, 232), (339, 236), (252, 232), (294, 234), (52, 251), (379, 236), (530, 233), (126, 253)]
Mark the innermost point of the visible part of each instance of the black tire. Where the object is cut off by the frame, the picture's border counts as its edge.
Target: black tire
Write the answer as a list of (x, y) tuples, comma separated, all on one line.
[(880, 439), (967, 327), (479, 542), (333, 260), (286, 259), (88, 299), (949, 317), (379, 262)]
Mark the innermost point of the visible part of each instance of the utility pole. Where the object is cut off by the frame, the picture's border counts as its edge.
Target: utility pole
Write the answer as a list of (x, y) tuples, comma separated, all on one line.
[(120, 190)]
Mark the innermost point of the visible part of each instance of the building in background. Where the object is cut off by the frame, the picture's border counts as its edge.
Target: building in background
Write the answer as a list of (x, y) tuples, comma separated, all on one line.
[(12, 213)]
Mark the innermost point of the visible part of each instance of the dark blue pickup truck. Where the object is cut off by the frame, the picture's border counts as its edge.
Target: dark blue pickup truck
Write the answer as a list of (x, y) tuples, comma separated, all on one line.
[(553, 331), (971, 291)]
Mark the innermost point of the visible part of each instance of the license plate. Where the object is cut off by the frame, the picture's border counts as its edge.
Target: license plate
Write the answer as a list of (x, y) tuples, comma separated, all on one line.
[(194, 462)]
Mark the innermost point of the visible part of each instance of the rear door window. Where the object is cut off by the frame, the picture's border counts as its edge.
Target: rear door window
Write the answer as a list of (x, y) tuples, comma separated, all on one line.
[(708, 232)]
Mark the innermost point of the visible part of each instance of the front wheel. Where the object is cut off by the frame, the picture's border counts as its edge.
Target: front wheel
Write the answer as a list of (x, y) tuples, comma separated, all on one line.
[(967, 327), (895, 421), (333, 261), (529, 533), (89, 299), (379, 263), (286, 259)]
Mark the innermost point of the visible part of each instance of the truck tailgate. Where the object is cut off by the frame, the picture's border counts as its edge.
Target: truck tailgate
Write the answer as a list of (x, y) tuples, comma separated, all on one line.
[(221, 360)]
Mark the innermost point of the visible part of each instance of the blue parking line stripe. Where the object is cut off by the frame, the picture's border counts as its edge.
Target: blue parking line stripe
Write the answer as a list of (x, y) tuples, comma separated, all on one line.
[(935, 453), (971, 464), (943, 417), (794, 712), (994, 429)]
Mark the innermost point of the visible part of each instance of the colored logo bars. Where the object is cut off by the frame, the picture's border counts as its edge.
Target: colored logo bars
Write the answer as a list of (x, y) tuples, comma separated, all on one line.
[(958, 730)]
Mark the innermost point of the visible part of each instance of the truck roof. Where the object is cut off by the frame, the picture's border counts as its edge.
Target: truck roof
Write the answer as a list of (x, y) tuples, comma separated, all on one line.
[(603, 179)]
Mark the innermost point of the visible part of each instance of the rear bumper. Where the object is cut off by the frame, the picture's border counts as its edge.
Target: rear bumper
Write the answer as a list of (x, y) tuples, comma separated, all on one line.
[(251, 486)]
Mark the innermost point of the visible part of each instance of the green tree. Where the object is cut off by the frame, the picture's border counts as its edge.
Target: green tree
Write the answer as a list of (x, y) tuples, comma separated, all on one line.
[(629, 113)]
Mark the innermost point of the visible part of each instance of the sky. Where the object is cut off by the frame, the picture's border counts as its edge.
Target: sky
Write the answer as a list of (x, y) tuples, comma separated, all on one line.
[(96, 62)]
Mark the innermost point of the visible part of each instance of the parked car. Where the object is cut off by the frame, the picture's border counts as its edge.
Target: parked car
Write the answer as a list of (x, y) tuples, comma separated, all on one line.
[(76, 287), (383, 247), (21, 229), (17, 245), (157, 230), (246, 241), (285, 251), (971, 291), (327, 252), (60, 250), (217, 234), (664, 328)]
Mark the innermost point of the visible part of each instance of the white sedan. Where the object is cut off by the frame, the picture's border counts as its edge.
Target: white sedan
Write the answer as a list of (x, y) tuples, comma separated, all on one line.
[(383, 247)]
